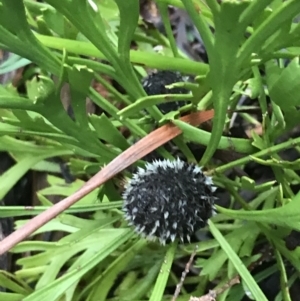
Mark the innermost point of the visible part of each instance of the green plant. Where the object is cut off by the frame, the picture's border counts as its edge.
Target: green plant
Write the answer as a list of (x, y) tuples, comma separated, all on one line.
[(62, 39)]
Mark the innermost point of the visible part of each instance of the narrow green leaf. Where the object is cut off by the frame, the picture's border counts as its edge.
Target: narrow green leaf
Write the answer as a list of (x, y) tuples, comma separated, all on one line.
[(14, 102), (13, 283), (8, 211), (69, 293), (247, 183), (285, 12), (148, 101), (283, 84), (15, 145), (13, 175), (18, 37), (11, 296), (295, 165), (238, 264), (163, 276), (286, 216), (109, 276), (224, 69), (55, 289), (254, 9), (80, 79), (214, 264), (128, 24), (106, 131), (87, 19), (51, 108), (265, 152), (142, 286)]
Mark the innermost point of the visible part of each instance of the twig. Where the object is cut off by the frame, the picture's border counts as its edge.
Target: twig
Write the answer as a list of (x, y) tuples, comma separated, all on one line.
[(212, 295), (227, 285), (140, 149), (183, 275)]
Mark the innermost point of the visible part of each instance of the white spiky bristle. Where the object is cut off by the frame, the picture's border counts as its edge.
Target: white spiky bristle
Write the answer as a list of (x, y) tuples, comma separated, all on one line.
[(168, 200)]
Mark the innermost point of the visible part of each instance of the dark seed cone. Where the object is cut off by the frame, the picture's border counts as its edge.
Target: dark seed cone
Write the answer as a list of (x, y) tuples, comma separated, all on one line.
[(155, 83), (169, 200)]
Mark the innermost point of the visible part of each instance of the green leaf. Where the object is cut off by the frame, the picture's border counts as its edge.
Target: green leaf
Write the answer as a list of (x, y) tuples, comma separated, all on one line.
[(277, 39), (258, 141), (128, 24), (255, 87), (247, 183), (59, 24), (8, 101), (238, 264), (148, 101), (31, 273), (59, 187), (283, 84), (161, 281), (142, 286), (54, 20), (71, 224), (248, 244), (214, 264), (295, 165), (69, 293), (18, 37), (91, 229), (11, 296), (8, 211), (224, 68), (286, 216), (82, 241), (52, 291), (87, 19), (108, 277), (278, 119), (14, 284), (279, 17), (80, 79), (52, 109), (15, 145), (259, 14), (108, 132), (9, 178)]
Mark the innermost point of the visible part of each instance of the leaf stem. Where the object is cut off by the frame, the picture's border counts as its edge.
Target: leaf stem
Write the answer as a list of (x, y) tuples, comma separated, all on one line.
[(163, 8), (283, 276), (265, 152), (163, 277), (149, 59)]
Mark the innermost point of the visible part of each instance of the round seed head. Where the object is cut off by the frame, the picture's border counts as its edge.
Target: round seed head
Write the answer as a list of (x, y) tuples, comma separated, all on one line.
[(168, 200), (154, 84)]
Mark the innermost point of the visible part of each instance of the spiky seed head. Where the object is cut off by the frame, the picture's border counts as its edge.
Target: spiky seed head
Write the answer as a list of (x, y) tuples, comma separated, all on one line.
[(155, 84), (168, 200)]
